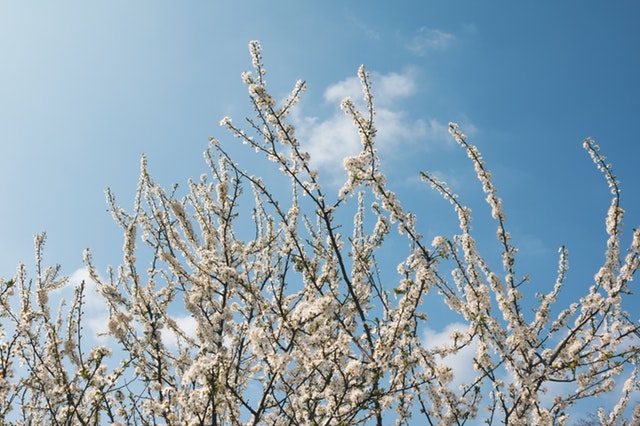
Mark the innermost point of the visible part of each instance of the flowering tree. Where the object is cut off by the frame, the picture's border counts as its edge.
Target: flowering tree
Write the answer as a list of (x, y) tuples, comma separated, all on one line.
[(296, 322)]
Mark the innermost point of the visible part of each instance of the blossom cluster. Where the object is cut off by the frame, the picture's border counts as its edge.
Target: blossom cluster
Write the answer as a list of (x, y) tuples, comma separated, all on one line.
[(293, 321)]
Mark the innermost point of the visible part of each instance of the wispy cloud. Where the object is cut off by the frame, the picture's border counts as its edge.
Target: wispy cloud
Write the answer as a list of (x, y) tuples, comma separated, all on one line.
[(368, 31), (429, 39)]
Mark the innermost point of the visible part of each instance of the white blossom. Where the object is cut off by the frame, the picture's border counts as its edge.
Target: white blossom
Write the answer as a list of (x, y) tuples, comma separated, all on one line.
[(286, 316)]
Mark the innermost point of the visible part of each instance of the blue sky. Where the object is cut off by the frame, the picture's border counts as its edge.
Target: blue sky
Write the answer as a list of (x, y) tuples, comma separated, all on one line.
[(87, 87)]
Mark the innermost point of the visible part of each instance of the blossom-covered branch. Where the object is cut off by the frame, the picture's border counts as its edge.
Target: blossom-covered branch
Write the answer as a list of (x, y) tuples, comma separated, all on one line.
[(292, 317)]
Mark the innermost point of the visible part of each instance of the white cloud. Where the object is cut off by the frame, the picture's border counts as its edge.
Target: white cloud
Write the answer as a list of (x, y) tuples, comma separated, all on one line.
[(329, 141), (461, 363), (348, 88), (396, 131), (429, 39), (96, 314), (386, 88), (394, 85), (187, 325)]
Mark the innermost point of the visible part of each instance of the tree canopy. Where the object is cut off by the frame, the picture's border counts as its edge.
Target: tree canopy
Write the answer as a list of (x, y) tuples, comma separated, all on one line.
[(298, 319)]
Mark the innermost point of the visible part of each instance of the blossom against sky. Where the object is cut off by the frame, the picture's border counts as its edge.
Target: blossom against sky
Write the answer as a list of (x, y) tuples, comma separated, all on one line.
[(86, 88)]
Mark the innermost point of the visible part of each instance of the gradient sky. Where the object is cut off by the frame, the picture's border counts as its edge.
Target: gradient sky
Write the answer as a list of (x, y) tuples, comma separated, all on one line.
[(87, 87)]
